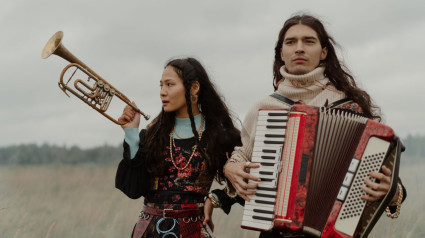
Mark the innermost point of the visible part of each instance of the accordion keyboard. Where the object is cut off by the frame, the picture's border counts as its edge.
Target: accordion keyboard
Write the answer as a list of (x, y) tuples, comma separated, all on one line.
[(269, 139)]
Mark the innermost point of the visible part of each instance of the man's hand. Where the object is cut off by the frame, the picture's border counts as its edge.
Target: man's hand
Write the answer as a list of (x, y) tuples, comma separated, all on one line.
[(235, 172), (377, 190)]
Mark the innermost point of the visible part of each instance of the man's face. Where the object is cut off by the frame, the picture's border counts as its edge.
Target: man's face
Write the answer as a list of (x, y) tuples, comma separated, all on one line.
[(301, 50)]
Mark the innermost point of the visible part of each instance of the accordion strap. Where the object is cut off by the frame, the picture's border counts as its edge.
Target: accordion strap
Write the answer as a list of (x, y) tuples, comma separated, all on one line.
[(283, 99), (291, 102), (339, 102)]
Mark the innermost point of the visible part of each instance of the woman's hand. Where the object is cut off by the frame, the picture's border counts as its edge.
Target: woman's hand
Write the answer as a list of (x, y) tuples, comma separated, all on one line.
[(208, 210), (377, 190), (130, 116), (235, 172)]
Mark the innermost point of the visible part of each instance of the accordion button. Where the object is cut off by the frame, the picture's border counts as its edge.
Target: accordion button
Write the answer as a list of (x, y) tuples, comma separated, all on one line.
[(347, 180), (342, 193), (353, 165)]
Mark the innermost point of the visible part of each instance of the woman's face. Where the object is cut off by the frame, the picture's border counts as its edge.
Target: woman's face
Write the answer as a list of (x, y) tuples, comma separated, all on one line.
[(173, 93)]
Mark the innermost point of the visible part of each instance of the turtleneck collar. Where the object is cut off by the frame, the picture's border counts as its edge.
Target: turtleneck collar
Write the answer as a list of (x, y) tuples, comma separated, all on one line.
[(312, 88), (305, 80), (183, 126)]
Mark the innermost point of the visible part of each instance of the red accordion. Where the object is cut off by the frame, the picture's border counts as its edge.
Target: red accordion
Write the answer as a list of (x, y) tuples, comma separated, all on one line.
[(313, 162)]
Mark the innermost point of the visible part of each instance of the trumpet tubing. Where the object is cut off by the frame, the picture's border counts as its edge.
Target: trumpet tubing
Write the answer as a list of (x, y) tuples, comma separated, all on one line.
[(99, 95)]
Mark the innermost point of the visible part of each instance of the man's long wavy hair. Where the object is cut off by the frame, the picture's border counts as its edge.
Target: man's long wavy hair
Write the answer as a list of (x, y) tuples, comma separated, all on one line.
[(221, 134), (337, 73)]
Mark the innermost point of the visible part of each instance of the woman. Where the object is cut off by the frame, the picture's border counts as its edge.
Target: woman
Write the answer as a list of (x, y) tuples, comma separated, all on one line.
[(178, 155)]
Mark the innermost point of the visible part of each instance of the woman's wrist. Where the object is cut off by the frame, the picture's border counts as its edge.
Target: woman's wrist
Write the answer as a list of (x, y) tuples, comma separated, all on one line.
[(214, 200)]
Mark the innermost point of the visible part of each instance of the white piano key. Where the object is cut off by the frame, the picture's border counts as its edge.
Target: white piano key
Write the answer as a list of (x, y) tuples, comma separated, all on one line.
[(259, 204), (264, 171), (251, 207), (271, 133), (276, 148), (264, 192), (263, 138), (271, 123), (272, 169), (263, 117), (265, 158), (258, 197), (260, 226), (264, 184), (262, 175), (255, 213), (262, 129), (262, 145), (267, 152)]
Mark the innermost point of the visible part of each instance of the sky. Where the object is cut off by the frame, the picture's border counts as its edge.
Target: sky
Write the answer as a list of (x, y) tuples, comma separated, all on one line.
[(128, 42)]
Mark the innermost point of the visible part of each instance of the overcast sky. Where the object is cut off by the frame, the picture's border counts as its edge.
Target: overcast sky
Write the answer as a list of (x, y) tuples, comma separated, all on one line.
[(128, 42)]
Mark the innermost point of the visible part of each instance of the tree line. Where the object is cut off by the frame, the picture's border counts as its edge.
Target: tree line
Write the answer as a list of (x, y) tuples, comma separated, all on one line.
[(47, 154), (32, 154)]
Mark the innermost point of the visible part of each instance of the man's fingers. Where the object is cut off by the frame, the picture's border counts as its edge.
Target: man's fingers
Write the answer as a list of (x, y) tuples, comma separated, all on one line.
[(242, 193), (372, 194), (386, 170), (246, 175), (371, 185), (253, 165), (244, 197)]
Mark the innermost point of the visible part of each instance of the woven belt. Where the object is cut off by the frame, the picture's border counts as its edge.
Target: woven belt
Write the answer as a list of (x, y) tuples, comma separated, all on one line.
[(170, 213)]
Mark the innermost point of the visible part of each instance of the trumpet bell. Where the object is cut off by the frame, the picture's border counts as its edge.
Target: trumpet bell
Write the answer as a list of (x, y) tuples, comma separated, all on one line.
[(52, 45)]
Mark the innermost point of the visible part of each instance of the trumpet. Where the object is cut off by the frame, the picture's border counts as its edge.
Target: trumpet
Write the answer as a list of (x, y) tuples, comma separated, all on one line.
[(99, 95)]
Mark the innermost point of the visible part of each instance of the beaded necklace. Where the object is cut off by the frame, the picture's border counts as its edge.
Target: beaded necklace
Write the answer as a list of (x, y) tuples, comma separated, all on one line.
[(172, 142)]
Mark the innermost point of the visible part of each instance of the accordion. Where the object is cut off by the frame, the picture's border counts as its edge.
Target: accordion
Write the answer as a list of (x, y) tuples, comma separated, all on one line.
[(313, 162)]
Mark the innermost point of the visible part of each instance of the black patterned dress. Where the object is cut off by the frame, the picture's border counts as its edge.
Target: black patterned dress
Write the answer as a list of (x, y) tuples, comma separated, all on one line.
[(173, 189)]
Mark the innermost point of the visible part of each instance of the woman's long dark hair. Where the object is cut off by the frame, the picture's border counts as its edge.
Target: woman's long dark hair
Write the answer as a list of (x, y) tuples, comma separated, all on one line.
[(221, 134), (335, 71)]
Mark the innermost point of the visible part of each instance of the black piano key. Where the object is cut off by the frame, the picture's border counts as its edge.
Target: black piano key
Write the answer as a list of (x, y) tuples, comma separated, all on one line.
[(273, 142), (274, 136), (263, 202), (276, 120), (267, 164), (266, 179), (266, 189), (265, 195), (267, 157), (263, 211), (266, 172), (262, 218), (269, 151), (277, 114), (276, 127)]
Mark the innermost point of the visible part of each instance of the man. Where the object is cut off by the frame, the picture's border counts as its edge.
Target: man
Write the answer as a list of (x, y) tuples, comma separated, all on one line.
[(306, 70)]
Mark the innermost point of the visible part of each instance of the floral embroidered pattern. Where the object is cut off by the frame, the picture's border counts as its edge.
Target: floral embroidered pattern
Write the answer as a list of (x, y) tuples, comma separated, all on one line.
[(351, 106), (194, 178)]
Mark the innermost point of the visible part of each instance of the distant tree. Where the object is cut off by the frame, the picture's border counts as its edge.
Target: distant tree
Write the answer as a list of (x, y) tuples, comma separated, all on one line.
[(45, 154)]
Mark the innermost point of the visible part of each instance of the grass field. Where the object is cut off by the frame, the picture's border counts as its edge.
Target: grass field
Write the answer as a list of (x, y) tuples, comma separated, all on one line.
[(81, 201)]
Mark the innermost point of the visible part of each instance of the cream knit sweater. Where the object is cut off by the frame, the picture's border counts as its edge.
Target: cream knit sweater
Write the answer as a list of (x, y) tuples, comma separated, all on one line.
[(311, 89)]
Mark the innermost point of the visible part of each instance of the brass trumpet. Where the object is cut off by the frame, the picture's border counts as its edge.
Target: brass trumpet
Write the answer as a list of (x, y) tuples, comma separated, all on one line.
[(100, 94)]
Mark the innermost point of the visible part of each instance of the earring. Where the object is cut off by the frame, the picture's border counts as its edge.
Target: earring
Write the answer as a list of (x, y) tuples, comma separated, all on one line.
[(194, 98)]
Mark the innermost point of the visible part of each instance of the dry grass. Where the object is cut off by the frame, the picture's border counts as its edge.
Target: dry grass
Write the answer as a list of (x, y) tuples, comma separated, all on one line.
[(81, 201)]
